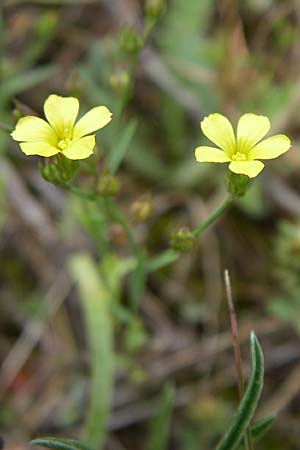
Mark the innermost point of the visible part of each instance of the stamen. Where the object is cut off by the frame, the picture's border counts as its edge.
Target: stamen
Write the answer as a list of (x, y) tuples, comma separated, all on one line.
[(238, 156), (64, 143)]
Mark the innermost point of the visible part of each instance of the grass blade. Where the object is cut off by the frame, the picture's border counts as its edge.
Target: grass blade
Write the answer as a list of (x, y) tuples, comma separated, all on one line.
[(95, 300), (249, 402), (159, 427), (117, 154), (59, 443)]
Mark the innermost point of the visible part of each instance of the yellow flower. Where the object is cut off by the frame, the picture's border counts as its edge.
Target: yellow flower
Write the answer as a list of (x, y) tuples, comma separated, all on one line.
[(60, 134), (243, 150)]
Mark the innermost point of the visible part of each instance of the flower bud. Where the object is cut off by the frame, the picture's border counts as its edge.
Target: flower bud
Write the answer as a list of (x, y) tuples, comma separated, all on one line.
[(131, 41), (154, 9), (182, 240), (142, 208), (108, 185), (46, 24), (60, 170), (119, 80), (237, 184), (16, 114)]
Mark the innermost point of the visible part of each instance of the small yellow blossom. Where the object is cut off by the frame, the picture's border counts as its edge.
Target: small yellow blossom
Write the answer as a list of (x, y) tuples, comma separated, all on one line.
[(61, 134), (243, 150)]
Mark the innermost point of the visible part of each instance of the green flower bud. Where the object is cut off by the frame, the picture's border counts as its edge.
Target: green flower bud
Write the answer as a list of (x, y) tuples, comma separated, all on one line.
[(60, 170), (237, 184), (154, 9), (182, 240), (17, 114), (46, 24), (108, 185), (131, 41), (119, 80)]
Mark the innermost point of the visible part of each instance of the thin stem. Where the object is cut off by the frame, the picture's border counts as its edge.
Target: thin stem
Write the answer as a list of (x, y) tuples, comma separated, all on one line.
[(117, 216), (77, 191), (237, 350), (138, 275), (5, 127), (213, 216)]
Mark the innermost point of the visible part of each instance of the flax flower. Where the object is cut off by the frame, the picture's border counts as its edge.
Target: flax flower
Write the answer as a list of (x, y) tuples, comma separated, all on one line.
[(244, 150), (61, 134)]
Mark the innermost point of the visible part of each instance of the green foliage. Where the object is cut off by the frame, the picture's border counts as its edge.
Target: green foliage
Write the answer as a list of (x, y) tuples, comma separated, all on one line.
[(286, 271), (248, 404), (96, 298), (259, 429), (59, 443), (118, 152), (195, 62), (159, 427)]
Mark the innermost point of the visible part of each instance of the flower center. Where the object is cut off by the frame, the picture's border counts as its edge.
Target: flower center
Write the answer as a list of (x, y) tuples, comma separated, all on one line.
[(66, 139), (238, 156), (64, 143)]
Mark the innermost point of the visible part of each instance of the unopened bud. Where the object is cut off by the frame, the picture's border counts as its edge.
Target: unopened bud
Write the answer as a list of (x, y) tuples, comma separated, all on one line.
[(142, 208), (116, 235), (108, 185), (46, 24), (131, 41), (59, 170), (182, 240), (17, 114), (154, 8), (119, 80), (237, 184)]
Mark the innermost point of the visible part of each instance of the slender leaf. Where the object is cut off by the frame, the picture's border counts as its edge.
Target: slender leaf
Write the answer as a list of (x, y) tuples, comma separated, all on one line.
[(23, 81), (59, 443), (260, 428), (96, 298), (160, 261), (159, 427), (119, 151), (248, 403), (137, 280)]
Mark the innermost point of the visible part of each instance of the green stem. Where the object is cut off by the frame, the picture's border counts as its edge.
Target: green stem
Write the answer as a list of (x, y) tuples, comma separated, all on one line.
[(139, 274), (83, 194), (117, 216), (5, 127), (213, 216)]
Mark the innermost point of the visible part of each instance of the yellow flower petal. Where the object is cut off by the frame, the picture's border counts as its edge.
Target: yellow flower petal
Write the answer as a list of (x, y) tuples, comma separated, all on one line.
[(61, 113), (218, 129), (80, 149), (93, 120), (250, 168), (251, 129), (271, 147), (38, 148), (33, 129), (210, 154)]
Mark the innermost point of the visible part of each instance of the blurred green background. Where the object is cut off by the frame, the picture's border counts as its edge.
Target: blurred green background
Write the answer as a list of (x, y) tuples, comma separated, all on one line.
[(170, 350)]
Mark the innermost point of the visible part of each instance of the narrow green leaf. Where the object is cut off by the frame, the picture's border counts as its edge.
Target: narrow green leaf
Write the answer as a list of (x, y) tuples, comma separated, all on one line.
[(96, 297), (119, 151), (159, 427), (137, 280), (249, 402), (23, 81), (59, 443), (261, 427), (160, 261)]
